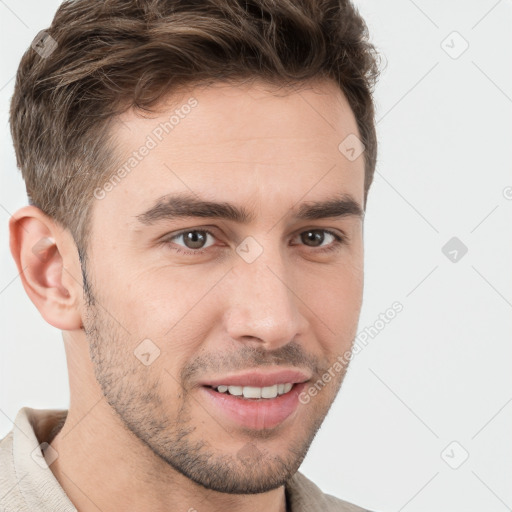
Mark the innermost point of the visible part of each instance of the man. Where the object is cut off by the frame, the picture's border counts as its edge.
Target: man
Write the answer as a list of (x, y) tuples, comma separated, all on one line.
[(197, 174)]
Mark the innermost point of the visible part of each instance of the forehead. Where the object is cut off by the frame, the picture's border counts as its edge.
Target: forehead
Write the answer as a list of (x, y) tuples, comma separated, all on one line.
[(237, 143)]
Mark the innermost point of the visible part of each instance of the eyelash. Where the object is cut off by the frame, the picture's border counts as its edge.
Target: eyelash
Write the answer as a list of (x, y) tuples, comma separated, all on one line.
[(338, 241)]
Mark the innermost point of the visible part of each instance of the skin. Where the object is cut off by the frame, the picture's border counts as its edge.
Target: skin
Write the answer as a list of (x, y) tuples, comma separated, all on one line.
[(209, 314)]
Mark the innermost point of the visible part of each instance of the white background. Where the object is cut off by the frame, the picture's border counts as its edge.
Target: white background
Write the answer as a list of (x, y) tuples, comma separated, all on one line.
[(441, 370)]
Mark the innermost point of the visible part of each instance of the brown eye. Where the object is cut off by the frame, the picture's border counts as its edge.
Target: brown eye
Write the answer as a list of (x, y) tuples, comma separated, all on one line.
[(313, 238), (322, 240), (194, 239)]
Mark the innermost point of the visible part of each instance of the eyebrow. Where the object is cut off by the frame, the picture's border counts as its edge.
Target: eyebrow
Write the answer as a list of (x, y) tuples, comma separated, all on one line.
[(171, 207)]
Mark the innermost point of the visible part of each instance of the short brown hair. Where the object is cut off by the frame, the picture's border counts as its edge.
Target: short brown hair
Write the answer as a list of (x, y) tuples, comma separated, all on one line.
[(113, 55)]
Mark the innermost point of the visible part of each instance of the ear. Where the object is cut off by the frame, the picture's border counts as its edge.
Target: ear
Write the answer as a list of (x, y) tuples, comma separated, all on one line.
[(49, 267)]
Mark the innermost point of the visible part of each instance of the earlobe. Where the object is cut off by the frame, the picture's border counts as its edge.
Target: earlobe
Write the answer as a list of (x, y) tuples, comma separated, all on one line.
[(40, 247)]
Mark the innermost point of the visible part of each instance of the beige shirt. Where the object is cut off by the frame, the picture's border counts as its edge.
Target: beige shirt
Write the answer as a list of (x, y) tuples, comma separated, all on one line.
[(27, 484)]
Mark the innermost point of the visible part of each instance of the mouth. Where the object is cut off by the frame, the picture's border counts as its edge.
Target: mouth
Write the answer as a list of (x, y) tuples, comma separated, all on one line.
[(255, 400), (254, 392)]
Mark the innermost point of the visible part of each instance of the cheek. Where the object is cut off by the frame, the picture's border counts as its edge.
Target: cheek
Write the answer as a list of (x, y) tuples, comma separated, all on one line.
[(150, 295), (167, 305), (335, 297)]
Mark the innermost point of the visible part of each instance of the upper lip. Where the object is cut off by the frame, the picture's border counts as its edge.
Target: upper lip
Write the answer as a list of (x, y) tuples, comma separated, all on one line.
[(259, 378)]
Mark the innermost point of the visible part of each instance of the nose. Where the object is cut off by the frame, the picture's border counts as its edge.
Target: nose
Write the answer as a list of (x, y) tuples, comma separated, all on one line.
[(263, 308)]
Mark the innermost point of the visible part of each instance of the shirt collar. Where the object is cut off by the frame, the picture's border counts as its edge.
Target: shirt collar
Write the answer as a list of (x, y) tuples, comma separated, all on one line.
[(40, 489)]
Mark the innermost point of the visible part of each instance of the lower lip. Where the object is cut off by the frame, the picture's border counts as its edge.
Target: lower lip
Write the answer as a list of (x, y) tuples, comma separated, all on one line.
[(257, 414)]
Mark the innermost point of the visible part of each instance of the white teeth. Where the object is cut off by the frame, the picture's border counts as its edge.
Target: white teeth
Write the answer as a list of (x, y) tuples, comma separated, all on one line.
[(235, 390), (250, 392), (269, 391), (256, 392)]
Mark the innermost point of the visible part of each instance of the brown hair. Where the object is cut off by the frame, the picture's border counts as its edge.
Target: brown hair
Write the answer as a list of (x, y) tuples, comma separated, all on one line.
[(104, 57)]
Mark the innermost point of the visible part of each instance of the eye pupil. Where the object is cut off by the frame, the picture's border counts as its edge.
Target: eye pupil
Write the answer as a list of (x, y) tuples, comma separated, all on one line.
[(315, 236)]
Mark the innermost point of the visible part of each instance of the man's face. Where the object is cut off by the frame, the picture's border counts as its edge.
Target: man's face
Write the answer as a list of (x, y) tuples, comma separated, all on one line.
[(187, 302)]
